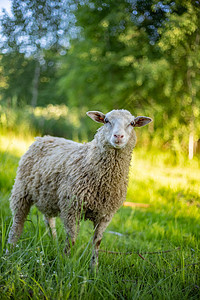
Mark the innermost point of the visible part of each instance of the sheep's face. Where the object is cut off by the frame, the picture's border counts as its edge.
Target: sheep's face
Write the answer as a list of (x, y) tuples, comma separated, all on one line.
[(119, 125)]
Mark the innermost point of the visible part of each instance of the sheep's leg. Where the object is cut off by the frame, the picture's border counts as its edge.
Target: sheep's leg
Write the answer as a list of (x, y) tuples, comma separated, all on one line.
[(98, 234), (71, 224), (18, 223), (51, 225)]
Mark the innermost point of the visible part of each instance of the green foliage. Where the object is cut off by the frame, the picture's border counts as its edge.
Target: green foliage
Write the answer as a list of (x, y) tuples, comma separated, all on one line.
[(34, 35), (105, 65), (56, 120), (17, 71), (119, 64), (35, 25), (8, 165), (139, 55), (72, 123), (15, 120), (179, 44)]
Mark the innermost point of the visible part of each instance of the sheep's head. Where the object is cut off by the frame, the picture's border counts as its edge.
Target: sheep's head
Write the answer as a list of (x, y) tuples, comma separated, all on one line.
[(119, 125)]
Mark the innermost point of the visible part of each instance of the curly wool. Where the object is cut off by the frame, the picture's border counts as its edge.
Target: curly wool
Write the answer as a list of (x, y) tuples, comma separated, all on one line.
[(66, 178), (63, 177)]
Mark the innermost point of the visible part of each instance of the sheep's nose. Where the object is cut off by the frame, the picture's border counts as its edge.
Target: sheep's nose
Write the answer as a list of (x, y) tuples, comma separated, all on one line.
[(118, 136)]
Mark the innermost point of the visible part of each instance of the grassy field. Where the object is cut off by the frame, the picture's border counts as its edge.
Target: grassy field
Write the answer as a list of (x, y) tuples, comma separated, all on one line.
[(158, 247)]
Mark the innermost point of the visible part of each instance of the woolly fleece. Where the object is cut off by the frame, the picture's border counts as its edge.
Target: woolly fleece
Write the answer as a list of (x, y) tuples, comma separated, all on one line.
[(65, 178)]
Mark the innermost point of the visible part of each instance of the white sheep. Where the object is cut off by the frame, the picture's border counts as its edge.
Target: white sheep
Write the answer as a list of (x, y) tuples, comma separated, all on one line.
[(65, 178)]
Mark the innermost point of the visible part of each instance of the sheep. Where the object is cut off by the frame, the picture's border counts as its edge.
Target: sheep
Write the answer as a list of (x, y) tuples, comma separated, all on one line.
[(70, 179)]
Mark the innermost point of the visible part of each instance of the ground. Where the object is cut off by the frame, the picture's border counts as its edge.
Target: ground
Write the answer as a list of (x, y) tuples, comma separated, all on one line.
[(156, 248)]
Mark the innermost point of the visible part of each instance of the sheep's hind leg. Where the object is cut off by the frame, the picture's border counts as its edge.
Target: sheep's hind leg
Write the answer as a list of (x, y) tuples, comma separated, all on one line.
[(19, 218), (51, 225), (98, 234)]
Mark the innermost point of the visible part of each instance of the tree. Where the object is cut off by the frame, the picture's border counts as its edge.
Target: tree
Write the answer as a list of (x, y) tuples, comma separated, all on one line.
[(36, 25), (17, 71), (180, 45), (112, 62), (140, 55)]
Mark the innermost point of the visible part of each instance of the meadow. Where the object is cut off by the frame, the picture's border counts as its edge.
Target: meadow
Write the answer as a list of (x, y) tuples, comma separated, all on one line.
[(150, 252)]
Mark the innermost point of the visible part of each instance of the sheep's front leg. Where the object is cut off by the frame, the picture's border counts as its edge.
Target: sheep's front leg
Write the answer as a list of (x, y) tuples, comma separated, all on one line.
[(51, 225), (98, 234)]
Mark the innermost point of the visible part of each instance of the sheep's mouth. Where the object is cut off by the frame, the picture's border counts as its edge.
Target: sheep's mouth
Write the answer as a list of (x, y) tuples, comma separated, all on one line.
[(118, 145)]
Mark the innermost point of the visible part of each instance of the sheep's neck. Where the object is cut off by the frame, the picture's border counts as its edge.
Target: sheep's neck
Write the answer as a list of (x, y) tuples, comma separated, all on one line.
[(110, 167)]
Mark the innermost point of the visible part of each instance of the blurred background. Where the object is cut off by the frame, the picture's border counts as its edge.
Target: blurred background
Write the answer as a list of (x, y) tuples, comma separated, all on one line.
[(60, 58)]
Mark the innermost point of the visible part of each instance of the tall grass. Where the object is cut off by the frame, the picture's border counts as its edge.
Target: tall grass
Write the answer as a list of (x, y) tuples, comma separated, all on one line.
[(55, 120), (38, 268)]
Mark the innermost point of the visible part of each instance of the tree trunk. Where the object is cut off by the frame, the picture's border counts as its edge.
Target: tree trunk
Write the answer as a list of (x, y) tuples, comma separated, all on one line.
[(35, 85), (191, 146), (191, 122)]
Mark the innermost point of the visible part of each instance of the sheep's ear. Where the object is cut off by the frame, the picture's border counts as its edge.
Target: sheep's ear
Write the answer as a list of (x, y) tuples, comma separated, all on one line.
[(97, 116), (141, 121)]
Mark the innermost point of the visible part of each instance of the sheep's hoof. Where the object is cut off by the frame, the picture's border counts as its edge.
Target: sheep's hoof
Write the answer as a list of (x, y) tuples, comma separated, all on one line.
[(67, 251), (9, 248), (69, 244), (94, 265)]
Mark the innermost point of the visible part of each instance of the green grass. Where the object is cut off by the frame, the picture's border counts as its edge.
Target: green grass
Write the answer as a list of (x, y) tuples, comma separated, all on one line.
[(38, 268)]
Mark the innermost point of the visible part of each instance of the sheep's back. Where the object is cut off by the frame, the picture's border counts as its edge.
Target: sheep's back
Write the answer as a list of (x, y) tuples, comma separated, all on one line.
[(41, 170)]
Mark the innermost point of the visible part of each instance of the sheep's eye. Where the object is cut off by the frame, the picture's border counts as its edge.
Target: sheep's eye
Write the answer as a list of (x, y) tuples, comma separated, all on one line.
[(132, 123), (106, 120)]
